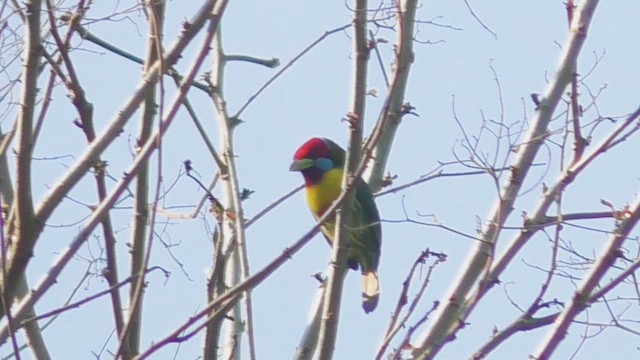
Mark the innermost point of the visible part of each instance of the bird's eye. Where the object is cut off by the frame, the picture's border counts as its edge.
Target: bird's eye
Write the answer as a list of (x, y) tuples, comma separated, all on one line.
[(323, 163)]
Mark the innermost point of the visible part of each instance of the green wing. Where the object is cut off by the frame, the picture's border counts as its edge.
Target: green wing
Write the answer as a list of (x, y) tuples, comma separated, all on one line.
[(367, 233)]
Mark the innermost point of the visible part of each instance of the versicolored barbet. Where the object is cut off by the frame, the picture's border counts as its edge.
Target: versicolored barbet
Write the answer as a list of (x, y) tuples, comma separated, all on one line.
[(321, 162)]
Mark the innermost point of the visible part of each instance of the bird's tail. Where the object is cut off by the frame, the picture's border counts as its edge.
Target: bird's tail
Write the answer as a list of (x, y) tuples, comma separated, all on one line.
[(370, 290)]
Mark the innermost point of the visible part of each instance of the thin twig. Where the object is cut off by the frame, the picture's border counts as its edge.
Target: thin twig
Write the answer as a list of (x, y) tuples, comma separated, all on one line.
[(466, 2), (286, 67), (396, 323)]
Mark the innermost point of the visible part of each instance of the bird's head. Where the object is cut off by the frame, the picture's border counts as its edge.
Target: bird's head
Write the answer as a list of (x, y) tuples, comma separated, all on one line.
[(315, 157)]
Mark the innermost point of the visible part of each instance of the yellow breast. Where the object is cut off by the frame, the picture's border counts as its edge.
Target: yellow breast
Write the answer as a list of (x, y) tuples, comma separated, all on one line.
[(324, 192)]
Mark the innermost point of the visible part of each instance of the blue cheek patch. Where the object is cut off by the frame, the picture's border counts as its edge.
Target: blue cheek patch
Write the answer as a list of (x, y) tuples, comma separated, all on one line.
[(323, 164)]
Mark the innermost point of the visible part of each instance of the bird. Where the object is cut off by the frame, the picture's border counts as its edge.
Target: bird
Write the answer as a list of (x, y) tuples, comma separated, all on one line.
[(321, 162)]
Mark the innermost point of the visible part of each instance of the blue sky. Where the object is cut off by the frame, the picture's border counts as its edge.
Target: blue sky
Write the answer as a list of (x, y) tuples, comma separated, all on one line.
[(309, 100)]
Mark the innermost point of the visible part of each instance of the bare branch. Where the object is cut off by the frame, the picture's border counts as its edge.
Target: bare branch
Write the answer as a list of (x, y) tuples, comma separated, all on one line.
[(26, 225), (129, 335), (87, 160), (344, 216), (449, 318), (610, 253), (49, 279), (395, 107), (232, 216)]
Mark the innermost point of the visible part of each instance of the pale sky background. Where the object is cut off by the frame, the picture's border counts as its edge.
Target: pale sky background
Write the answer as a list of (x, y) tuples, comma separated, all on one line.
[(309, 100)]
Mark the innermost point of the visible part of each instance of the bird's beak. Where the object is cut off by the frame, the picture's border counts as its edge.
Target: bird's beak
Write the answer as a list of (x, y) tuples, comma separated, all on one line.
[(301, 164)]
